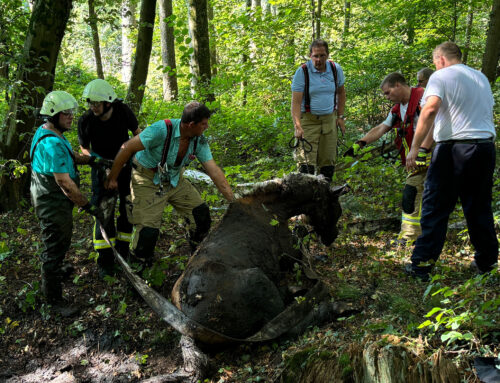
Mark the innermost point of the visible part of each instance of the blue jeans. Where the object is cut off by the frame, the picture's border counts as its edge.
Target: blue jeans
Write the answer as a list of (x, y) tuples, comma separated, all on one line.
[(462, 170)]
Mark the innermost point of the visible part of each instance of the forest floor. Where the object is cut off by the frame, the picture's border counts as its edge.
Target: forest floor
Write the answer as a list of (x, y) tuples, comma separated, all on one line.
[(116, 337)]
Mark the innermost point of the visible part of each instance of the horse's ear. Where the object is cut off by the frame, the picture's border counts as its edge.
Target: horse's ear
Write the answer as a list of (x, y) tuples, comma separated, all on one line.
[(340, 190)]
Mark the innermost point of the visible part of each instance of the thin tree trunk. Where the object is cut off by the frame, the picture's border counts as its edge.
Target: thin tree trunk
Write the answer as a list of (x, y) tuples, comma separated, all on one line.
[(41, 49), (455, 21), (492, 49), (244, 59), (318, 19), (347, 21), (198, 24), (95, 39), (212, 36), (139, 74), (170, 88), (128, 24), (468, 32), (313, 19)]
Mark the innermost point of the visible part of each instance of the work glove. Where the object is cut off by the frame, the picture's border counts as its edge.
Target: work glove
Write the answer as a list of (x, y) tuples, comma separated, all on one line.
[(355, 149), (99, 163), (94, 210), (423, 158)]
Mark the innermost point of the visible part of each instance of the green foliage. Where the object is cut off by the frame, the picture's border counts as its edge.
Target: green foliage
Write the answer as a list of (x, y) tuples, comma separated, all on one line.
[(466, 312)]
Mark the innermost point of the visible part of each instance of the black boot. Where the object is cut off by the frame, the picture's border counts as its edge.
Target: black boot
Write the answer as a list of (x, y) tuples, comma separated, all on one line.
[(307, 169), (144, 251), (327, 171), (106, 262), (52, 291)]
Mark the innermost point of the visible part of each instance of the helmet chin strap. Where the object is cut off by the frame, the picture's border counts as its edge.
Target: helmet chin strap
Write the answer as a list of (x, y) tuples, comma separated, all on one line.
[(55, 121)]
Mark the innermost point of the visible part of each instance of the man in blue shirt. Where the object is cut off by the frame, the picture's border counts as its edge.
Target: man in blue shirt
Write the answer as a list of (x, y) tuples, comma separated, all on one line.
[(318, 102), (161, 153)]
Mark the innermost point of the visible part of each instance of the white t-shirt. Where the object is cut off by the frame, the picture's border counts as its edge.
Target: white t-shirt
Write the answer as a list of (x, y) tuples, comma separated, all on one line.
[(466, 110), (390, 120)]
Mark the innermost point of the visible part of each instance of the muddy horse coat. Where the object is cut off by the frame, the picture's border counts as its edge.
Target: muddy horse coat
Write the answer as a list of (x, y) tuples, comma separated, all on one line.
[(233, 284)]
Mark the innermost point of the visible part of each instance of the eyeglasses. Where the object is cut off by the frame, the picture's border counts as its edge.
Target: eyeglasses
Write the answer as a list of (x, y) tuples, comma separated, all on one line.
[(93, 104), (68, 112)]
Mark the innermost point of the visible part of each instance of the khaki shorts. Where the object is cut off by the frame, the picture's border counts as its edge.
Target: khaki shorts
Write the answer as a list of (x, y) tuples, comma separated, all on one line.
[(321, 132)]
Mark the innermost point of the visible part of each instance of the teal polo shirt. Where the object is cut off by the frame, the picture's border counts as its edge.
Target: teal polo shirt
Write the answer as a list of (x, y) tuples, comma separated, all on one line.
[(153, 138), (52, 154)]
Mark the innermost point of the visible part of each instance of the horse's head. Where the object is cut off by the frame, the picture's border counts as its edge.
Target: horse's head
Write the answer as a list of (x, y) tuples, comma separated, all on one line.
[(313, 196), (325, 215)]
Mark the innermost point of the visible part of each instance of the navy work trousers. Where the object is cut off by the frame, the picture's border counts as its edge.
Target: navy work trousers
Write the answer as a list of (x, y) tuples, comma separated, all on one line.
[(462, 170)]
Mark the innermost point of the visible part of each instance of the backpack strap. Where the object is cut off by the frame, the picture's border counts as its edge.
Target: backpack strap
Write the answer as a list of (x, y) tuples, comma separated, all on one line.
[(53, 135), (307, 98), (334, 71), (166, 145)]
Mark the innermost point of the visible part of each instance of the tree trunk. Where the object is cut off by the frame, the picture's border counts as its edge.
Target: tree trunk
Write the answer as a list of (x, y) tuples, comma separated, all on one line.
[(468, 32), (313, 19), (492, 49), (244, 60), (43, 41), (347, 21), (128, 24), (318, 19), (170, 88), (212, 35), (198, 25), (95, 39), (139, 74)]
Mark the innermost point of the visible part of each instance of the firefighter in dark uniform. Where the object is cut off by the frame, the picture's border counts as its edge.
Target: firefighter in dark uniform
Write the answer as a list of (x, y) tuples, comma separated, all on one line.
[(101, 131)]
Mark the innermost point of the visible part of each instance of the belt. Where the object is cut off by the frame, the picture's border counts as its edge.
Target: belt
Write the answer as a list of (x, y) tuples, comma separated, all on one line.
[(311, 116), (137, 166), (471, 141)]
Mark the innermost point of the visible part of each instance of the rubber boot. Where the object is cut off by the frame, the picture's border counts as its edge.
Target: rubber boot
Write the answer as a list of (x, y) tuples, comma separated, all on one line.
[(327, 172), (144, 251), (106, 262), (307, 169), (203, 221), (52, 291), (123, 249)]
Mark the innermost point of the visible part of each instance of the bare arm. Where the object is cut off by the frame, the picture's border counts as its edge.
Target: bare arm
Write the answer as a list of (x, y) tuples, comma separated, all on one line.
[(296, 103), (127, 150), (220, 181), (137, 131), (429, 139), (340, 108), (70, 189), (85, 151), (375, 133), (424, 125)]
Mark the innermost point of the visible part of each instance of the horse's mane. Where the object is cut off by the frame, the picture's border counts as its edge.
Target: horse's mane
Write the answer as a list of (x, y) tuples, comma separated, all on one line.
[(279, 184)]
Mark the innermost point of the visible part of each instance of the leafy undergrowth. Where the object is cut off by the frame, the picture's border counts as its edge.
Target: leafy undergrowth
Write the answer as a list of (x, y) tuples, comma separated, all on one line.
[(116, 337)]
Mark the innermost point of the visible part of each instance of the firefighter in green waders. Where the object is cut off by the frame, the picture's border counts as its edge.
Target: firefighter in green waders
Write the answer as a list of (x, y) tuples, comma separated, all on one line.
[(55, 190)]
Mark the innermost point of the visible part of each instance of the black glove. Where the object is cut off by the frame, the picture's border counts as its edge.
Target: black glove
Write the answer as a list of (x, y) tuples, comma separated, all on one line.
[(94, 210), (100, 163), (355, 148)]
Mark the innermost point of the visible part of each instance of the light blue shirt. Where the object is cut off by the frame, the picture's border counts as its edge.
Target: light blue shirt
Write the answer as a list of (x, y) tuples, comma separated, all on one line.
[(52, 154), (321, 87), (153, 138)]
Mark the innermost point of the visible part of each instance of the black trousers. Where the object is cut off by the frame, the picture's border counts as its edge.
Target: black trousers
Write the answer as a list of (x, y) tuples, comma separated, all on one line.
[(462, 170)]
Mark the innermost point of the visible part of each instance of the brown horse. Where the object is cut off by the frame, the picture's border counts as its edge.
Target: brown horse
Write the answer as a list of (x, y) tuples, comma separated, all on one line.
[(234, 282)]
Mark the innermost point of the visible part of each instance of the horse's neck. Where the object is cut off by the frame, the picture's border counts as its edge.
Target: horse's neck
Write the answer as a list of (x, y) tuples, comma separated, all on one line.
[(272, 205)]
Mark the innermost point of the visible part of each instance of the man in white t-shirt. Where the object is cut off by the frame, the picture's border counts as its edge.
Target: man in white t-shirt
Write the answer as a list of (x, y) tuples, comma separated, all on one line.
[(459, 102)]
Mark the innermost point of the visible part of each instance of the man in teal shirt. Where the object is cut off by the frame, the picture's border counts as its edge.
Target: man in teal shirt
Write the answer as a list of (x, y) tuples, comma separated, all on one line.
[(155, 184), (55, 189)]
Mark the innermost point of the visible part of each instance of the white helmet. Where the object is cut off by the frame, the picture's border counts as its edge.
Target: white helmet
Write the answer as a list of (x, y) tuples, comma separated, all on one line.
[(58, 101), (99, 90)]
